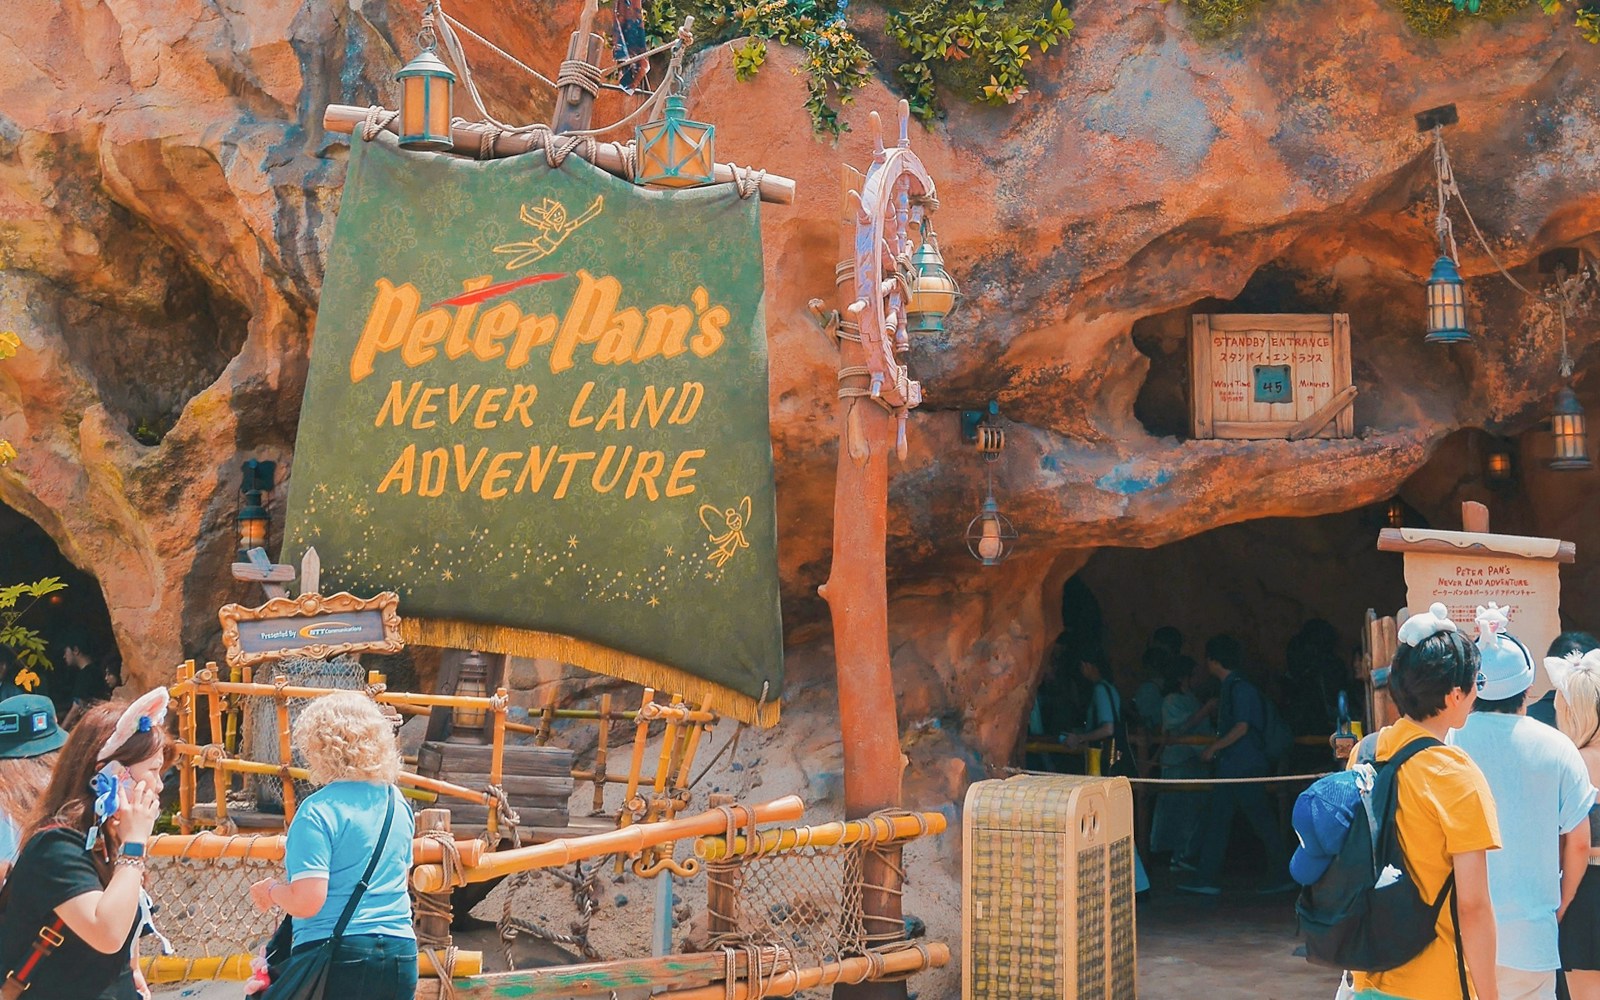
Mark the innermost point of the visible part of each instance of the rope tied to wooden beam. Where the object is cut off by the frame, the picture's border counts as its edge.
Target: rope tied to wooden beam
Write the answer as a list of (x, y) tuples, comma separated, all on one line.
[(378, 118), (748, 180), (429, 904), (580, 73), (508, 816)]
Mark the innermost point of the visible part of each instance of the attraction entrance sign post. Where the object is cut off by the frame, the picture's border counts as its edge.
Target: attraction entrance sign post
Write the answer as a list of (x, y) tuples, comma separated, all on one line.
[(1466, 569), (875, 397)]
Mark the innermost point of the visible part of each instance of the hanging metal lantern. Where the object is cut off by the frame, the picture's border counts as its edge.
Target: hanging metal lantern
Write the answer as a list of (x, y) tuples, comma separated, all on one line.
[(251, 522), (991, 537), (1569, 431), (675, 151), (426, 84), (1447, 304), (933, 291)]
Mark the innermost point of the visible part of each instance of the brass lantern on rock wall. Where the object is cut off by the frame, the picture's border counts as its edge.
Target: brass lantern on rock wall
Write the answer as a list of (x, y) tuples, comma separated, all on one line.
[(675, 151), (425, 96)]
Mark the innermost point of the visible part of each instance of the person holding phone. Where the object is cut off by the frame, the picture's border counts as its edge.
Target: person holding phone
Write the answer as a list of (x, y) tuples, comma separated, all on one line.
[(76, 901)]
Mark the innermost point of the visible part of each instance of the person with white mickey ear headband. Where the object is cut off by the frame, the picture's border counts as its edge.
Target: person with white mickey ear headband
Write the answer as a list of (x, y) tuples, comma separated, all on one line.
[(77, 903)]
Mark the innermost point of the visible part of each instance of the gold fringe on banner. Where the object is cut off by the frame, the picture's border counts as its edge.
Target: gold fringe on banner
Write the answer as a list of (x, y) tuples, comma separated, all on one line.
[(533, 644)]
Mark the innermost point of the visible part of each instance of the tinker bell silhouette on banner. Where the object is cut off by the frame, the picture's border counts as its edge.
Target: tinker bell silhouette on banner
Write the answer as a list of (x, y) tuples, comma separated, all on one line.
[(550, 218), (726, 528)]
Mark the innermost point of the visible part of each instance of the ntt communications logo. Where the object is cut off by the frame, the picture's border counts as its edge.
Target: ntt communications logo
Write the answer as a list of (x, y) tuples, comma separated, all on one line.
[(316, 630)]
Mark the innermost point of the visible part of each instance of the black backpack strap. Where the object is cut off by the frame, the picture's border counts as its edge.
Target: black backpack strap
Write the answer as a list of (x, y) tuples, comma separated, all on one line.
[(372, 866), (1386, 792), (1455, 922)]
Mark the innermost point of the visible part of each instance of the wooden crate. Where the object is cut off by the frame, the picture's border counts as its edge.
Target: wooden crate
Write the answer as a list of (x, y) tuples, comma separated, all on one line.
[(537, 780), (1270, 375), (1047, 890)]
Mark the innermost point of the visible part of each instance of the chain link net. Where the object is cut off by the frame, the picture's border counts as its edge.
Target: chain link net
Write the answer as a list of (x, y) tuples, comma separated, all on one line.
[(203, 905)]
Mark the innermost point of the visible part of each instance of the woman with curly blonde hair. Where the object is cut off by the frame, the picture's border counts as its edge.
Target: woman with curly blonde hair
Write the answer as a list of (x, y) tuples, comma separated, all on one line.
[(337, 835)]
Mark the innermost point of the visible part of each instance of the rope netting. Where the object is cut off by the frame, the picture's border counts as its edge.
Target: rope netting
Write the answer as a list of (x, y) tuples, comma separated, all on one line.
[(203, 904), (261, 740)]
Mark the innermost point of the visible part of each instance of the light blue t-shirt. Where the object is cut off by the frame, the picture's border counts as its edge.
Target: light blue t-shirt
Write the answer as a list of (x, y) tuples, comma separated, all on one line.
[(1541, 791), (333, 836), (10, 840)]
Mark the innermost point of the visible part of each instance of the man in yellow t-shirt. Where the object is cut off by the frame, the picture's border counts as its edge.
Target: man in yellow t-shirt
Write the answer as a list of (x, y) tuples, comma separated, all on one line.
[(1445, 814)]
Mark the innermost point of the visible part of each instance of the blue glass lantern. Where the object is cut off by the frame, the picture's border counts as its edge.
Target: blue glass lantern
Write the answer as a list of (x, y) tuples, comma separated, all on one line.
[(425, 95), (675, 151), (1447, 304)]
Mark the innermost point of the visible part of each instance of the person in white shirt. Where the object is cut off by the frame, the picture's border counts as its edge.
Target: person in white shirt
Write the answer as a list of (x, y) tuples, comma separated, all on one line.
[(1542, 794)]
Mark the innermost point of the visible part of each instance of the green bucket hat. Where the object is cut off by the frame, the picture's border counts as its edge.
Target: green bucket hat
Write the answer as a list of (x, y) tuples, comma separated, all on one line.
[(28, 727)]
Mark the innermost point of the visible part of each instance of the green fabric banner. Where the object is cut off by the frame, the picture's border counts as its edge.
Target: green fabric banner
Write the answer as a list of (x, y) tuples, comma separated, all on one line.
[(537, 410)]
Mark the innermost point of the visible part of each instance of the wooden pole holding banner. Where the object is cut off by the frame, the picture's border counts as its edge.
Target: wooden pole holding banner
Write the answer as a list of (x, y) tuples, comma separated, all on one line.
[(468, 140), (574, 104), (872, 223)]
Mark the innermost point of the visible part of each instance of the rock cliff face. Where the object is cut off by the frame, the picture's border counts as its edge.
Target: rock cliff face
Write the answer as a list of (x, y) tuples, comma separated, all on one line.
[(168, 194)]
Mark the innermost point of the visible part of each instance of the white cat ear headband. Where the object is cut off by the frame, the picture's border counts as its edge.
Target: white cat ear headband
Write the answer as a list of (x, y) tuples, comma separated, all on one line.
[(145, 714), (1419, 628)]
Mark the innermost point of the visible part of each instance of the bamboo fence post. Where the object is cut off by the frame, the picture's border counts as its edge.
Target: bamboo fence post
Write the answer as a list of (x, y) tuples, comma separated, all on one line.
[(230, 738), (186, 769), (285, 752), (600, 755), (664, 760), (721, 882), (547, 719), (433, 908), (219, 777), (497, 757)]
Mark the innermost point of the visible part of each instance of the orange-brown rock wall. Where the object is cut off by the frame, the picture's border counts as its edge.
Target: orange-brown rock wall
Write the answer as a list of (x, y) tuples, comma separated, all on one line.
[(167, 195)]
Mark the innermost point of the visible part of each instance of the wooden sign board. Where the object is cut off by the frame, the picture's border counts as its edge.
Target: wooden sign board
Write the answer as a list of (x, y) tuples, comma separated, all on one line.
[(1271, 375), (311, 626), (1464, 570)]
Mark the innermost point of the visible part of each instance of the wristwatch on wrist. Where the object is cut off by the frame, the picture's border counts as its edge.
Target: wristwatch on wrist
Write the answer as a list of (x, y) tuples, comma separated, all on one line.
[(132, 850)]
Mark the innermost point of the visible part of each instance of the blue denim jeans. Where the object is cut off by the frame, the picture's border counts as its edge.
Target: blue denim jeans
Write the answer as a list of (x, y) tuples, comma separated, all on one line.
[(373, 967)]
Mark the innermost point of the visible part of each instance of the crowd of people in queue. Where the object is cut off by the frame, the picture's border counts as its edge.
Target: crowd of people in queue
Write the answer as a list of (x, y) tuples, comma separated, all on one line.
[(1495, 814), (80, 799)]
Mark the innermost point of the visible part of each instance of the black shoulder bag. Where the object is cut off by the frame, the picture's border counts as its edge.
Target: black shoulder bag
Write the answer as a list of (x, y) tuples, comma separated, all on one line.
[(302, 974)]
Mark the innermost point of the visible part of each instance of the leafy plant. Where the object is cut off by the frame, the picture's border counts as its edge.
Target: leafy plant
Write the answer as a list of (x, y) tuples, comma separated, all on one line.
[(836, 63), (1217, 18), (978, 48), (28, 644)]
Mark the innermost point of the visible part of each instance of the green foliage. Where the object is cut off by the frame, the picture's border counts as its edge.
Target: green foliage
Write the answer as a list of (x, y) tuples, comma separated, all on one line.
[(28, 644), (1432, 18), (978, 48), (835, 61), (1218, 18)]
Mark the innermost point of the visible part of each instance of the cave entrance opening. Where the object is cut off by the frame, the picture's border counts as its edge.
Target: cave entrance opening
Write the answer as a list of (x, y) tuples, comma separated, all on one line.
[(74, 616), (1293, 592)]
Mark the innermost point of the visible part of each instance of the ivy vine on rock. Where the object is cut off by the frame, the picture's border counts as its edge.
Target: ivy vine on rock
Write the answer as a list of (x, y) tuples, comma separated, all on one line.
[(836, 62), (977, 48), (1430, 18)]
